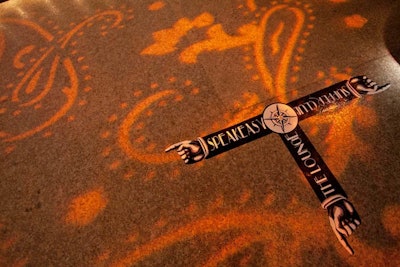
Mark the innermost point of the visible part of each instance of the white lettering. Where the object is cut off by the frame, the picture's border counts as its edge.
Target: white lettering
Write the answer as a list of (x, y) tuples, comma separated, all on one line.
[(308, 164), (249, 129), (318, 169), (231, 138), (240, 128), (344, 91), (220, 136)]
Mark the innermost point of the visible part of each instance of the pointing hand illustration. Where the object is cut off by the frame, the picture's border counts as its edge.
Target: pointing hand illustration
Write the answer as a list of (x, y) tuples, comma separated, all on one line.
[(189, 150), (366, 86), (344, 220)]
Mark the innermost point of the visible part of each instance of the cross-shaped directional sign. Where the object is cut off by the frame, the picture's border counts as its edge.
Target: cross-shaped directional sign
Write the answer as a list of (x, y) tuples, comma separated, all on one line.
[(283, 119)]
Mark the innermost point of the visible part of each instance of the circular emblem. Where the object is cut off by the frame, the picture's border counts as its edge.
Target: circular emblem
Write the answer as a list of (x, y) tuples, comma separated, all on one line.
[(280, 118)]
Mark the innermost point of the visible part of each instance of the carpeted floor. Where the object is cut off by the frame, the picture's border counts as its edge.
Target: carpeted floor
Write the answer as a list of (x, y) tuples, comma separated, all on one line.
[(93, 91)]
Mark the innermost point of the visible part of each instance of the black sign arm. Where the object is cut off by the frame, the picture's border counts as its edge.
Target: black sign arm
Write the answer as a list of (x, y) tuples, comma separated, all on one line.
[(192, 151), (323, 100), (234, 136), (310, 162), (343, 217), (335, 96)]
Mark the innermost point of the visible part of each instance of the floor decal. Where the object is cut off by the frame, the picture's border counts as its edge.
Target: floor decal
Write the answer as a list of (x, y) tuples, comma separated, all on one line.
[(283, 119)]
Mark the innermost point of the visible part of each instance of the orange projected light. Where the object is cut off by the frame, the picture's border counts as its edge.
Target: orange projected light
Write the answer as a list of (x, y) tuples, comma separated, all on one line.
[(40, 67), (85, 208), (355, 21), (272, 53)]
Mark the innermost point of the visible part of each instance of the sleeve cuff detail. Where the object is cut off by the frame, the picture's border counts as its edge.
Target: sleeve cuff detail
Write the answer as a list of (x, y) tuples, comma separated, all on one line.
[(204, 146), (330, 200)]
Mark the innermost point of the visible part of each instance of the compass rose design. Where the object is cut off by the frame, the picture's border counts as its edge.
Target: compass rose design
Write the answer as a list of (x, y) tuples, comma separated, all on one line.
[(280, 118)]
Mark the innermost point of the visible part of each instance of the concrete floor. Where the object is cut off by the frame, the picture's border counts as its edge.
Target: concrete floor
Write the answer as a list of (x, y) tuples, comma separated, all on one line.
[(93, 91)]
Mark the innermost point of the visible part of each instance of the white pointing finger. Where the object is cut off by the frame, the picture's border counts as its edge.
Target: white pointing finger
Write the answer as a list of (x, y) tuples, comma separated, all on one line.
[(348, 229), (174, 146), (339, 227), (345, 244), (384, 87), (352, 226), (340, 237), (342, 231), (349, 207)]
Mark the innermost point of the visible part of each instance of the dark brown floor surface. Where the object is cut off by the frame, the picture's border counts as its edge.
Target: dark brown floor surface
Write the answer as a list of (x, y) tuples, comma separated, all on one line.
[(93, 91)]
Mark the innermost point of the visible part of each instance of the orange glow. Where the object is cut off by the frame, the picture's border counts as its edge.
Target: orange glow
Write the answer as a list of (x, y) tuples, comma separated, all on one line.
[(18, 57), (231, 249), (341, 135), (32, 84), (85, 208), (254, 227), (115, 165), (35, 74), (117, 20), (355, 21), (124, 138), (9, 149), (277, 86), (391, 220), (70, 93), (269, 228), (104, 256), (166, 40), (217, 39), (27, 76), (156, 6), (6, 244), (244, 197), (251, 5), (275, 37), (217, 203)]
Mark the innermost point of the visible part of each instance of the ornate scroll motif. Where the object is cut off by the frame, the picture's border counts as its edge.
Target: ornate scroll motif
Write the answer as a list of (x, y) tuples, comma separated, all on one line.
[(47, 70)]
